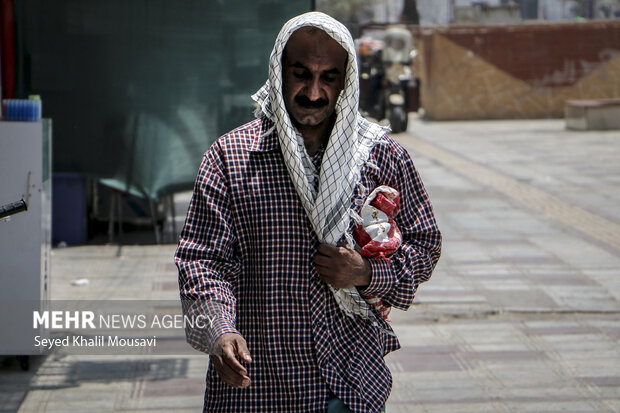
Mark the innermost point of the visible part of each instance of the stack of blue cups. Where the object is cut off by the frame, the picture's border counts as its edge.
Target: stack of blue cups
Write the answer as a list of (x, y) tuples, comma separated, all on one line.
[(22, 110)]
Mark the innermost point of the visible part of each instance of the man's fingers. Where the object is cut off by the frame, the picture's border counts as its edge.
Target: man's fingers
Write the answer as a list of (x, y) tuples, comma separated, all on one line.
[(229, 375), (242, 350), (322, 261), (227, 348), (342, 250), (330, 256), (230, 359), (341, 266), (327, 250)]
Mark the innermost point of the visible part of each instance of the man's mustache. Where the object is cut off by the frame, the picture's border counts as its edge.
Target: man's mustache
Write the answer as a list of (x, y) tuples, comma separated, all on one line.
[(305, 102)]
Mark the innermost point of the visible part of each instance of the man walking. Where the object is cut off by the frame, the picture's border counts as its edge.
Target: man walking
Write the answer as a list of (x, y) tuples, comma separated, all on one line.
[(268, 242)]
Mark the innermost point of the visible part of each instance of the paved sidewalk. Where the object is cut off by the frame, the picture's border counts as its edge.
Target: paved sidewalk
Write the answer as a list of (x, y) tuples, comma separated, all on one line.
[(521, 315), (523, 312)]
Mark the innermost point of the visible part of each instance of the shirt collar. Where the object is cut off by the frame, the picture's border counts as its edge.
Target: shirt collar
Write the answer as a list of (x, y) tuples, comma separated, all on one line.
[(267, 139)]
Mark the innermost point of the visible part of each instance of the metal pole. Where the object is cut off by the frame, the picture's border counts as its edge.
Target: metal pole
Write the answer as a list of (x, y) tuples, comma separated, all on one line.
[(591, 9)]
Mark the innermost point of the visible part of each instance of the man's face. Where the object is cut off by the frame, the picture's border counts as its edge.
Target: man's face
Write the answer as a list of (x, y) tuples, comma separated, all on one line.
[(313, 75)]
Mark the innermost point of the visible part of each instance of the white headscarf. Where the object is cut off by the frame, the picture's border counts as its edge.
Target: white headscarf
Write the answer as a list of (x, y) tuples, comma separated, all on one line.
[(350, 143)]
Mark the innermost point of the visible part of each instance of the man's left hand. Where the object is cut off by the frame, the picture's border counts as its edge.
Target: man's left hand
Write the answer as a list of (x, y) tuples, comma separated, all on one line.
[(342, 267)]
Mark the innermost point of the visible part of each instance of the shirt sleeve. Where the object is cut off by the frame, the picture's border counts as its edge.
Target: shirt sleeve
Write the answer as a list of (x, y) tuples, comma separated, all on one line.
[(396, 281), (206, 256)]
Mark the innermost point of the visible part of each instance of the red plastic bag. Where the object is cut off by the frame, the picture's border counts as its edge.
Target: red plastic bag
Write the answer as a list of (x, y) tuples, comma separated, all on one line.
[(377, 234)]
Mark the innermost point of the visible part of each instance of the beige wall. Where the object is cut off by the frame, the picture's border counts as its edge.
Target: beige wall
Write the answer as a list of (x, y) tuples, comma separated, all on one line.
[(457, 83)]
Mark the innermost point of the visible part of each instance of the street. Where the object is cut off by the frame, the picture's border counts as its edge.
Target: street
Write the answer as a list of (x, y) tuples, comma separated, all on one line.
[(522, 313)]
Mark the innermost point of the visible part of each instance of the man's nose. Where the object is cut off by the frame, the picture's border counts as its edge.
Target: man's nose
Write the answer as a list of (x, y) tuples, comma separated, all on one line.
[(314, 89)]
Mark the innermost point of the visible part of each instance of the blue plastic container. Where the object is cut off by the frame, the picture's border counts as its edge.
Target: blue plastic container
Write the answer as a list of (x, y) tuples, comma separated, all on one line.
[(69, 214)]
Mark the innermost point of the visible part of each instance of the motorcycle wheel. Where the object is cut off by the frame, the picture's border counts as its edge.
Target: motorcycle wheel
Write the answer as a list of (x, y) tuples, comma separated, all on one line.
[(398, 119)]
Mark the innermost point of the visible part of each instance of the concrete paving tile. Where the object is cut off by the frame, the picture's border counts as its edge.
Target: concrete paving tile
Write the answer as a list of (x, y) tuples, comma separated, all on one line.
[(581, 342), (458, 397), (504, 345), (163, 409), (610, 395), (494, 269), (187, 386), (191, 409), (520, 248), (542, 324), (613, 404), (551, 404), (406, 360), (490, 205), (606, 277), (11, 396), (477, 333), (508, 356), (524, 299), (586, 292), (577, 252), (527, 225), (553, 407), (421, 379), (526, 260), (418, 335), (561, 279), (404, 408), (27, 407), (428, 295), (532, 374), (11, 401), (168, 404), (571, 356), (471, 250), (504, 284), (562, 329), (86, 394), (486, 406), (603, 368), (603, 304), (100, 405), (609, 327), (449, 181), (447, 384)]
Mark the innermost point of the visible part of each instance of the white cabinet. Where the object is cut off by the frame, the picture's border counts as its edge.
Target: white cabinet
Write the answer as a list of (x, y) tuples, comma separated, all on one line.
[(25, 173)]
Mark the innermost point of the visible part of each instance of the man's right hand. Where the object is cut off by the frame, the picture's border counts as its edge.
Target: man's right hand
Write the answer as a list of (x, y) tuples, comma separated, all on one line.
[(225, 352)]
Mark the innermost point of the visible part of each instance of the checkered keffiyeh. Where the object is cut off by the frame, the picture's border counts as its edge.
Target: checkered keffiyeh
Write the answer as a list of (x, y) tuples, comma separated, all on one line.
[(350, 143)]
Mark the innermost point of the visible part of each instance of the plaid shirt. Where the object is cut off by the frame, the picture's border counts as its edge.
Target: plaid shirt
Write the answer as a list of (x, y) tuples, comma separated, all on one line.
[(248, 246)]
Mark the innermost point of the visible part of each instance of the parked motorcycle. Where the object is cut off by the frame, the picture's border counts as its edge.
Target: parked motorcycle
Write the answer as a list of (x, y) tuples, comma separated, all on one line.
[(396, 57), (386, 76)]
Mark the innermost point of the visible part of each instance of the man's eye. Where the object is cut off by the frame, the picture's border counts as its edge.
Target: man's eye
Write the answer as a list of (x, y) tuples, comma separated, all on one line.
[(329, 79), (300, 75)]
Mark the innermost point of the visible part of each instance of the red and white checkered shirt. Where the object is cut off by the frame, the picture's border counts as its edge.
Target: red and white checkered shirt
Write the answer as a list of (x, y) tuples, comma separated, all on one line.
[(248, 246)]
